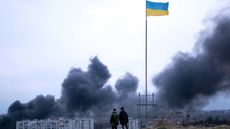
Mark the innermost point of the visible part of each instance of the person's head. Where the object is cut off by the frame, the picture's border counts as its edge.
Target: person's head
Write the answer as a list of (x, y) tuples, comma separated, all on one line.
[(122, 108), (114, 110)]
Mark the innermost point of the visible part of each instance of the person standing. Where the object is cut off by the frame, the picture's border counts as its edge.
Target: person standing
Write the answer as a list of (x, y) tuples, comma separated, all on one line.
[(123, 118), (114, 119)]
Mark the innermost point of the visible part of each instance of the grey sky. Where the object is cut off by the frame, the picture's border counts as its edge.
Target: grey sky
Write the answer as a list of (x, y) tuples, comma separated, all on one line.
[(40, 40)]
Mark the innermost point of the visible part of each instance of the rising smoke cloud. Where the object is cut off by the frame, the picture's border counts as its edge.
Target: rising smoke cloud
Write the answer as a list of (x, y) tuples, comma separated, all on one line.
[(39, 108), (83, 93), (191, 79), (126, 87)]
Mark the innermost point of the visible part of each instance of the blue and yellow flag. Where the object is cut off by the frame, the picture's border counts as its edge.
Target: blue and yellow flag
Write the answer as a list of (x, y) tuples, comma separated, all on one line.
[(156, 8)]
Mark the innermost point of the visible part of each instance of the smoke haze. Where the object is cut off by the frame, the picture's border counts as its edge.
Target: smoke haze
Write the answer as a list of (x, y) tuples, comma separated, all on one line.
[(127, 97), (188, 81), (191, 79), (83, 93)]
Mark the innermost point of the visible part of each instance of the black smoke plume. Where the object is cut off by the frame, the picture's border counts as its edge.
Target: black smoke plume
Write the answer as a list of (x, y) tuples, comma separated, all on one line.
[(83, 93), (39, 108), (191, 79), (127, 97), (126, 85)]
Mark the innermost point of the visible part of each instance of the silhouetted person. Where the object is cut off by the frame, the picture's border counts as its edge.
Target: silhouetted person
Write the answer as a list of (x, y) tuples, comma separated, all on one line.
[(123, 118), (114, 119)]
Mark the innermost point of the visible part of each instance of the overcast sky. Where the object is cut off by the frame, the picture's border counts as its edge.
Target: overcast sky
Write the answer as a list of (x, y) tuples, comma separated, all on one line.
[(40, 40)]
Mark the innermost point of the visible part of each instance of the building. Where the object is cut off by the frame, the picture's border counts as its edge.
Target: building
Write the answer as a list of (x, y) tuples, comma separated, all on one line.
[(62, 123)]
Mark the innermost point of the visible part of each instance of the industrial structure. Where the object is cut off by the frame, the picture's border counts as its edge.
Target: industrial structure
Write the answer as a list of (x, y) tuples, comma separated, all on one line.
[(62, 123), (146, 108)]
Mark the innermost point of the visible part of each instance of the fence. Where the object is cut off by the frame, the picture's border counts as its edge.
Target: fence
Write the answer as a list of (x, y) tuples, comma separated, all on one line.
[(86, 123)]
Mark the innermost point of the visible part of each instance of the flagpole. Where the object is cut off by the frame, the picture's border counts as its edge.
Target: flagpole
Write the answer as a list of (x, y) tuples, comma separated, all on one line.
[(163, 7), (146, 63)]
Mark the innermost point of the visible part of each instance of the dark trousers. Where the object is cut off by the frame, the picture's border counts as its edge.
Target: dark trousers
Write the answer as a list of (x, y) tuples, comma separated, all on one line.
[(125, 125), (114, 127)]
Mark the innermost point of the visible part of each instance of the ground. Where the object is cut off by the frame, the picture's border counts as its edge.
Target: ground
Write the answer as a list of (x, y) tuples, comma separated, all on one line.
[(179, 127)]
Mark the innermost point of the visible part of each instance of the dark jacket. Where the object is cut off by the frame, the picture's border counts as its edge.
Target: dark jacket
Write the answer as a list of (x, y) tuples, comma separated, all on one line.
[(123, 117), (114, 119)]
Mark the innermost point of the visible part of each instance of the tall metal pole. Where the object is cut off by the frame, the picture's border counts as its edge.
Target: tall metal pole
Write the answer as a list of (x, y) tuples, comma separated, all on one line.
[(146, 63), (153, 104), (139, 109)]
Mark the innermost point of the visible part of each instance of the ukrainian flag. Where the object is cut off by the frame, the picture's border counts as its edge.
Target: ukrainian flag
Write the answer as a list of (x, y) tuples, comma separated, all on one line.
[(156, 8)]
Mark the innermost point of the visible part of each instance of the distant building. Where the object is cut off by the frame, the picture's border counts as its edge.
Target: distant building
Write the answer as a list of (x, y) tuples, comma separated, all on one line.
[(62, 123)]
